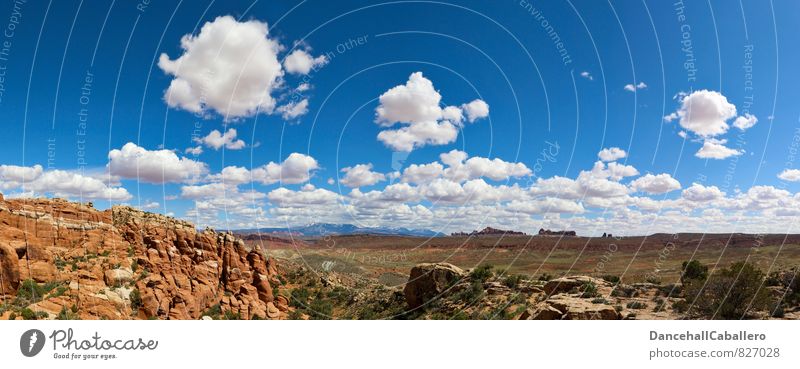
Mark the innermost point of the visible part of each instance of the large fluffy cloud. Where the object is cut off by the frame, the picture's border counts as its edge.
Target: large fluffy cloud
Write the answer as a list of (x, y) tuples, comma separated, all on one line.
[(704, 113), (230, 67), (361, 175), (297, 168), (153, 166), (37, 181), (656, 184), (416, 105)]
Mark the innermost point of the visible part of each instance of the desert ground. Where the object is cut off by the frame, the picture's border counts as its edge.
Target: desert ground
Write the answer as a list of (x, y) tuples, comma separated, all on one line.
[(388, 259)]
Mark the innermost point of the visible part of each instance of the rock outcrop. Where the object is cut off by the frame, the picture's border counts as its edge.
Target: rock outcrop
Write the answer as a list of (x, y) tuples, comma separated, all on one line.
[(427, 281), (9, 270), (124, 263)]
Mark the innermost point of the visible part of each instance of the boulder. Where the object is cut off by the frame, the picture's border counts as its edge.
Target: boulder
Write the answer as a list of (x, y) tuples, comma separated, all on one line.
[(575, 308), (118, 277), (9, 270), (566, 284), (427, 281), (547, 312)]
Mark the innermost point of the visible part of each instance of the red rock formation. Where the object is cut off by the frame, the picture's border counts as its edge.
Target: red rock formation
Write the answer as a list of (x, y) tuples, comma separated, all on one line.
[(104, 256)]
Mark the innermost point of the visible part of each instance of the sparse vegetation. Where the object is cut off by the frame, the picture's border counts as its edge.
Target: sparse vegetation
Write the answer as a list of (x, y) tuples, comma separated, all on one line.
[(693, 270), (136, 300), (482, 273), (611, 278), (729, 293), (513, 281), (636, 305)]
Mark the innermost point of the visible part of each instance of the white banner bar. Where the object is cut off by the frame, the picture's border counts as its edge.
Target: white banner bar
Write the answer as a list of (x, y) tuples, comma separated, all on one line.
[(397, 344)]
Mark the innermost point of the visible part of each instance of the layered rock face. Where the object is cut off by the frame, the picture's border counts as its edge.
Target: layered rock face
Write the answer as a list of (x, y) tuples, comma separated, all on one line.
[(124, 263)]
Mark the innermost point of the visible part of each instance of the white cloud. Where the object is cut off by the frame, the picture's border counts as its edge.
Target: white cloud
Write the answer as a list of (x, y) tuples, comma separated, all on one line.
[(422, 173), (745, 121), (35, 180), (233, 175), (231, 67), (611, 154), (476, 109), (195, 151), (301, 62), (361, 175), (307, 196), (633, 87), (460, 169), (293, 110), (699, 193), (704, 113), (656, 184), (153, 166), (416, 106), (587, 75), (477, 167), (617, 171), (419, 134), (217, 140), (453, 114), (297, 168), (791, 175), (716, 149), (546, 206), (415, 102)]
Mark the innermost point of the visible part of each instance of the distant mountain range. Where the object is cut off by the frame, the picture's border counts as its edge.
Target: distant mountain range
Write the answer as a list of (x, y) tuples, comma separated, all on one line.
[(328, 229)]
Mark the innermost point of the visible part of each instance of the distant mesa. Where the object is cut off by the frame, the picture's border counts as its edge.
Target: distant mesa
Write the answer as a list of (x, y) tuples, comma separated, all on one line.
[(547, 232), (488, 231), (328, 229)]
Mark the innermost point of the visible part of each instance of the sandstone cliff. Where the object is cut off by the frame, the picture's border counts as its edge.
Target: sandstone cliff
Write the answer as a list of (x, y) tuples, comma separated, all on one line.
[(59, 257)]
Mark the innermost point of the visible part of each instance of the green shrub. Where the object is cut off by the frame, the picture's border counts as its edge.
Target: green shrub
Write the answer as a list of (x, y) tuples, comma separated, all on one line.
[(213, 312), (28, 314), (321, 309), (512, 281), (482, 273), (136, 299), (653, 279), (636, 305), (474, 292), (588, 290), (545, 277), (229, 315), (693, 270), (66, 314), (611, 278), (729, 292), (300, 297)]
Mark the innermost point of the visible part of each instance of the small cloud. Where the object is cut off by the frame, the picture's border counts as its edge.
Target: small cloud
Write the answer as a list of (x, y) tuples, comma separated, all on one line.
[(790, 175), (633, 87), (301, 62), (217, 140), (293, 110), (745, 121), (587, 75), (716, 149), (195, 151), (611, 154)]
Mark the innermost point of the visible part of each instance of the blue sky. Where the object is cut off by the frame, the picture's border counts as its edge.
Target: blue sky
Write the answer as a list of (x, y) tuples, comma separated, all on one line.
[(563, 86)]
